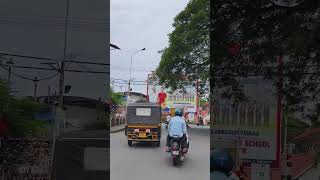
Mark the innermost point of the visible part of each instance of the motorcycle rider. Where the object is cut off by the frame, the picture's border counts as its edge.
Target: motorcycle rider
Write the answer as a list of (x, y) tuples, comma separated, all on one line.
[(177, 127), (221, 165)]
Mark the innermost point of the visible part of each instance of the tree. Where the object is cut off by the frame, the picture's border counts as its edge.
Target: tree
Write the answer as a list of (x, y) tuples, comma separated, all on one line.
[(116, 98), (263, 30), (20, 113), (186, 59)]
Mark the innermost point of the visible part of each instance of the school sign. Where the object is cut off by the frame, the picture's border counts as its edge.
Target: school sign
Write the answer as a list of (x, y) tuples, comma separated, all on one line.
[(251, 123), (183, 101)]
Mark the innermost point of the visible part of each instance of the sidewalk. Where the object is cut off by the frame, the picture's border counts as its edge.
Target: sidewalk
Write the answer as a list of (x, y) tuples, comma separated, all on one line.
[(117, 128)]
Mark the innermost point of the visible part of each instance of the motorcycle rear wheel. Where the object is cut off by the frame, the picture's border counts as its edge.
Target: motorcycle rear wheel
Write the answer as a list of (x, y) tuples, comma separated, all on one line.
[(175, 161)]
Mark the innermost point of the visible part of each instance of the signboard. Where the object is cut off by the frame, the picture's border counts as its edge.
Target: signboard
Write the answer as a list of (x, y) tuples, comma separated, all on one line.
[(184, 101), (252, 122), (143, 112)]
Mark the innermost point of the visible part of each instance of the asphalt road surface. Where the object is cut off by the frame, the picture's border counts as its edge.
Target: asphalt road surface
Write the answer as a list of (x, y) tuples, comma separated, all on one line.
[(145, 161)]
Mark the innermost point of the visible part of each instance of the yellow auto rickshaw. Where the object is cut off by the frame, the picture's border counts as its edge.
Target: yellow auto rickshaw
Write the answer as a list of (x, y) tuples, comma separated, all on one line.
[(143, 123)]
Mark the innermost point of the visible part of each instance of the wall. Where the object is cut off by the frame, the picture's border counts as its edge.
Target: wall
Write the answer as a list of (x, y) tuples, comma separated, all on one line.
[(81, 116)]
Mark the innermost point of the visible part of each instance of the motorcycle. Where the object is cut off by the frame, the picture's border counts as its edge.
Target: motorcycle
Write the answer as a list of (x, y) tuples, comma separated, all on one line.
[(176, 151)]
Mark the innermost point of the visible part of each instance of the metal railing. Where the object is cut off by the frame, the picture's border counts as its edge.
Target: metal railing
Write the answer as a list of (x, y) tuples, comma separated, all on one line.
[(117, 115)]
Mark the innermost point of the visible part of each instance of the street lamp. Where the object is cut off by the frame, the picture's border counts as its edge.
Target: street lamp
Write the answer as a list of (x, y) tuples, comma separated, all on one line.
[(129, 88), (131, 65), (114, 47)]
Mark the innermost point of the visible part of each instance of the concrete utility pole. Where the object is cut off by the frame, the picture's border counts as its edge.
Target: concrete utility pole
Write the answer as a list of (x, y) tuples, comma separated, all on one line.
[(49, 94), (9, 63), (62, 68), (197, 100), (35, 81)]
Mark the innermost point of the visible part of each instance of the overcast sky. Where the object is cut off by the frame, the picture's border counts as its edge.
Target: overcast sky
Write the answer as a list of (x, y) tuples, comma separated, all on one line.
[(135, 25), (36, 28)]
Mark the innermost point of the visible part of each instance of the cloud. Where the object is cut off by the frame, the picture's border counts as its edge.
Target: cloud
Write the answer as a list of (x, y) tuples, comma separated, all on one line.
[(140, 24)]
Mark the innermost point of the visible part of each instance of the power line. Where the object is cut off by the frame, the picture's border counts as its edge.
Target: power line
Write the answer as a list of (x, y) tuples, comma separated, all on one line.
[(31, 79), (24, 56), (128, 80), (56, 26), (51, 69), (94, 63), (2, 13), (49, 59)]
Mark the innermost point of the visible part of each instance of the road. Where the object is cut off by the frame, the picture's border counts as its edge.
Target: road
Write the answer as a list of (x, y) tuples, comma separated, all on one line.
[(144, 161)]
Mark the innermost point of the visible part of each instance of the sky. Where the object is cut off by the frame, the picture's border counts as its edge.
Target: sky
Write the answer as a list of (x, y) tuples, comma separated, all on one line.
[(135, 25), (36, 28)]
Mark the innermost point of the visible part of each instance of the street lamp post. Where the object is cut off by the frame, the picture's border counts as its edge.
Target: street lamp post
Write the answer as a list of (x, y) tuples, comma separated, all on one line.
[(131, 65), (129, 84)]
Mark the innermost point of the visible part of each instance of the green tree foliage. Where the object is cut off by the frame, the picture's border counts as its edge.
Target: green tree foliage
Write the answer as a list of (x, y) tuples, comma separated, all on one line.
[(4, 96), (116, 98), (186, 59), (20, 113), (203, 102), (266, 29), (295, 127)]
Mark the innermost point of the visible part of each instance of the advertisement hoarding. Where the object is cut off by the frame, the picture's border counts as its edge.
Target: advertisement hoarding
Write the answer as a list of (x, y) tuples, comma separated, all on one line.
[(252, 122), (184, 101)]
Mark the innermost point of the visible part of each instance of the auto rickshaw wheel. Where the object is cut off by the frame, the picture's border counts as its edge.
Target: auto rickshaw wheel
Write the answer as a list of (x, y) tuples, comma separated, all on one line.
[(129, 143)]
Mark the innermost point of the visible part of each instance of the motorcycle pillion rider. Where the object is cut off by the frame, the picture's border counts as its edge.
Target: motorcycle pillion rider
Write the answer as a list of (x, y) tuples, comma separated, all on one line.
[(221, 165), (178, 127)]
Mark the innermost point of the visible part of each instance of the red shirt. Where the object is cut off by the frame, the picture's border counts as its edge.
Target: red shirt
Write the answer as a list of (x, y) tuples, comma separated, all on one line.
[(161, 97)]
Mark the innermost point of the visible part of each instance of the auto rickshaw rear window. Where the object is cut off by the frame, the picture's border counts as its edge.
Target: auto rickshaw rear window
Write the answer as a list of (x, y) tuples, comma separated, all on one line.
[(143, 112)]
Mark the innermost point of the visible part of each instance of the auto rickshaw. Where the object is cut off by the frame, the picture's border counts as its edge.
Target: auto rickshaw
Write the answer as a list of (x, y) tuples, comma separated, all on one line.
[(143, 123)]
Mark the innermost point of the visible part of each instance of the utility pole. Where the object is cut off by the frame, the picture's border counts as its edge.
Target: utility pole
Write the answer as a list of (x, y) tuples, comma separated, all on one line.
[(9, 75), (61, 80), (197, 100), (35, 81), (49, 94), (9, 63), (148, 79)]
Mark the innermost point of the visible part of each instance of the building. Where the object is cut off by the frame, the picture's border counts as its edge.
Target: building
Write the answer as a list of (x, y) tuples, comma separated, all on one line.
[(136, 97), (304, 158), (82, 112)]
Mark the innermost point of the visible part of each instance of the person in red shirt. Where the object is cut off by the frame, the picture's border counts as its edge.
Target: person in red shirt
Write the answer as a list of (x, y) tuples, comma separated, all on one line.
[(162, 96)]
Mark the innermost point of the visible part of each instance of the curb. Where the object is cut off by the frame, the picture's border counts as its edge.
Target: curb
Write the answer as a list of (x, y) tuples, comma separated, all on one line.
[(118, 130)]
